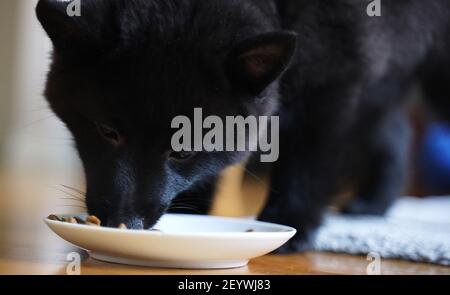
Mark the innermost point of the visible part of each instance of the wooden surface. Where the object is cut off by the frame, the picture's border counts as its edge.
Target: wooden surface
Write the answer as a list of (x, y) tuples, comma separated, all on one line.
[(28, 247)]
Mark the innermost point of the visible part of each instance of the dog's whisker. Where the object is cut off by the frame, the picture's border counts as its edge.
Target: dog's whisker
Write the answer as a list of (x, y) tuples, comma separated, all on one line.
[(72, 206), (74, 189), (81, 198), (257, 178), (72, 199), (197, 201), (183, 204), (185, 208)]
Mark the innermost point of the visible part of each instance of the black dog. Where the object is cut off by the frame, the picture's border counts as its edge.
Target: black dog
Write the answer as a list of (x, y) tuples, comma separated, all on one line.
[(335, 76)]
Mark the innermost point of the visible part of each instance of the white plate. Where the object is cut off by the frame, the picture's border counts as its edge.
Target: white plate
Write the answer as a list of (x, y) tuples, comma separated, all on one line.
[(185, 241)]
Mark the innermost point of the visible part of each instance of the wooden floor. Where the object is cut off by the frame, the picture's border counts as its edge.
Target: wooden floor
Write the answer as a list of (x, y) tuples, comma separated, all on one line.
[(28, 247)]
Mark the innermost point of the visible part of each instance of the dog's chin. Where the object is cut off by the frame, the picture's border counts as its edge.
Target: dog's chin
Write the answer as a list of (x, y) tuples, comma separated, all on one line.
[(149, 224), (153, 216)]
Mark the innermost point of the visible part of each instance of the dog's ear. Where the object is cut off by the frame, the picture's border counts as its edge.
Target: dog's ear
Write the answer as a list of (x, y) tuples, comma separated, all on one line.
[(93, 28), (257, 62)]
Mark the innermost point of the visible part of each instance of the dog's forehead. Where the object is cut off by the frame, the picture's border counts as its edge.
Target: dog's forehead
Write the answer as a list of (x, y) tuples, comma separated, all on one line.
[(144, 94), (194, 23)]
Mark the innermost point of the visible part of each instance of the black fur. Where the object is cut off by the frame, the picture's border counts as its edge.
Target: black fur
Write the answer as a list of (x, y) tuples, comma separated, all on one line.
[(135, 64)]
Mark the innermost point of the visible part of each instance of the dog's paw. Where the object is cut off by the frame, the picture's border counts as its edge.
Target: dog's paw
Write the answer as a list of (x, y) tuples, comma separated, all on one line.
[(302, 241), (298, 244)]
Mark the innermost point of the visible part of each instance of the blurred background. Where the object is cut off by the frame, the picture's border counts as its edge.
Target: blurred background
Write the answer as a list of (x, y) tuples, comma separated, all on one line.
[(35, 148), (37, 160)]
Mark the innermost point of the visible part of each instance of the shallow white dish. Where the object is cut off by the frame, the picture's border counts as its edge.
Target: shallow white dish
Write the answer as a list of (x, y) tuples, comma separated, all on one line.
[(185, 241)]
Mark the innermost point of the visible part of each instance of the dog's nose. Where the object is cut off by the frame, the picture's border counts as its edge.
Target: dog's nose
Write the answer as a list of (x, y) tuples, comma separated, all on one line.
[(135, 223)]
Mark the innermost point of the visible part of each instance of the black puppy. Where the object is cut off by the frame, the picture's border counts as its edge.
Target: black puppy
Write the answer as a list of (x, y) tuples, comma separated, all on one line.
[(335, 76)]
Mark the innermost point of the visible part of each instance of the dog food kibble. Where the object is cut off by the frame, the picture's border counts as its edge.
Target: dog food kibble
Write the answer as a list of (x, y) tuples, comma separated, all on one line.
[(54, 217), (79, 220), (93, 220), (90, 220), (72, 220)]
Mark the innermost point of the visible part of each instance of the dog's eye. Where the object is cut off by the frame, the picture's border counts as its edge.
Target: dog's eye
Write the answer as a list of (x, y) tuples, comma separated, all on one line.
[(110, 134), (181, 156)]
